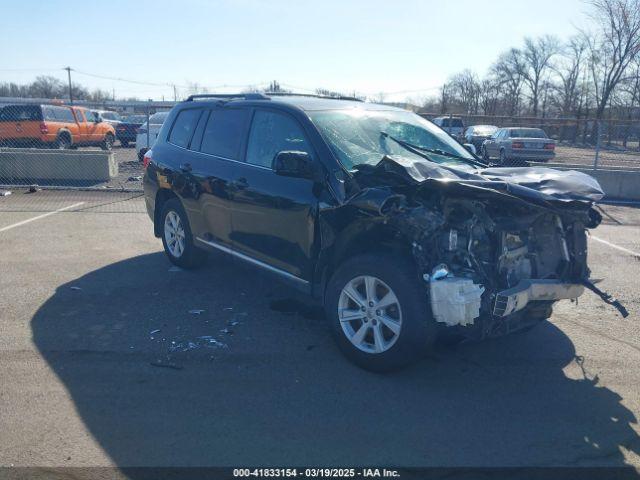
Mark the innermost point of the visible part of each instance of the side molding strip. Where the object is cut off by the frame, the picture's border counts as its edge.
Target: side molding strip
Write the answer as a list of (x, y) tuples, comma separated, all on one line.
[(253, 261)]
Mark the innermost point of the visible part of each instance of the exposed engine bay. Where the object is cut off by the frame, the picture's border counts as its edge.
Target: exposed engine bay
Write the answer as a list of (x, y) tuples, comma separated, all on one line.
[(497, 247)]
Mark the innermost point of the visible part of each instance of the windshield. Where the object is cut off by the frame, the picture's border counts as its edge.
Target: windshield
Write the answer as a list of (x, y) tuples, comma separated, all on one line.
[(361, 136), (135, 119), (158, 118), (483, 130)]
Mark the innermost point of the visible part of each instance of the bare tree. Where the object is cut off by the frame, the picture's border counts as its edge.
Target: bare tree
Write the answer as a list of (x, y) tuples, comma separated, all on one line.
[(507, 71), (46, 87), (465, 89), (568, 71), (534, 63), (613, 47)]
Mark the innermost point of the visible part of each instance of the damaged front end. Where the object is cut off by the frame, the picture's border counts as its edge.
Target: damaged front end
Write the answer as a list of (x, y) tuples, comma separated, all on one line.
[(496, 247)]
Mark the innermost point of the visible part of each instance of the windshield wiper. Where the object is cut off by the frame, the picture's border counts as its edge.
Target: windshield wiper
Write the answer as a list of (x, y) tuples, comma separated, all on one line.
[(418, 151)]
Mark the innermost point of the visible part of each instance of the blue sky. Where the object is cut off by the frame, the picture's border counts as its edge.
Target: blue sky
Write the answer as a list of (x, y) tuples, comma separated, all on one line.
[(368, 46)]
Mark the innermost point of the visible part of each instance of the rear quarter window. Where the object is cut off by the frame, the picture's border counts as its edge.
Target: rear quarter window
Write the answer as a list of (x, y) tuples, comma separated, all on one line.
[(224, 133), (21, 113), (184, 126)]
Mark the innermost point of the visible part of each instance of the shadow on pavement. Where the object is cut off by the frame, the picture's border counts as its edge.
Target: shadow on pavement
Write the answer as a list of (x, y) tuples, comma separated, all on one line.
[(275, 391)]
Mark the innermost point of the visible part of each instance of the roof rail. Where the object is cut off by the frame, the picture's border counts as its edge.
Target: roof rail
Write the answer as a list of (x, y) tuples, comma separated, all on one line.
[(228, 96), (312, 95), (265, 96)]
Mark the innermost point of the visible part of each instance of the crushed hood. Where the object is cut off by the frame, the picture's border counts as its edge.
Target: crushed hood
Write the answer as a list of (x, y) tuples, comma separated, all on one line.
[(535, 184)]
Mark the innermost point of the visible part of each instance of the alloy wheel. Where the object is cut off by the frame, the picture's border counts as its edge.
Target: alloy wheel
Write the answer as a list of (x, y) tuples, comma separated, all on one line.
[(370, 315), (174, 234)]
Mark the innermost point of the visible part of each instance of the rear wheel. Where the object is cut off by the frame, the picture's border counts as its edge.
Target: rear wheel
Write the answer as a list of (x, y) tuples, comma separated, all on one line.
[(107, 142), (503, 158), (63, 142), (379, 313), (177, 238)]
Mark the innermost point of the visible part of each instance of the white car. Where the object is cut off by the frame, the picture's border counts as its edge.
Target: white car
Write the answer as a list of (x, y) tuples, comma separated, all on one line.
[(147, 134), (454, 126)]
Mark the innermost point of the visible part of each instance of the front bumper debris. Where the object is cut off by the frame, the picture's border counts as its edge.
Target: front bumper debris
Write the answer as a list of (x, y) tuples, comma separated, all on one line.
[(516, 298)]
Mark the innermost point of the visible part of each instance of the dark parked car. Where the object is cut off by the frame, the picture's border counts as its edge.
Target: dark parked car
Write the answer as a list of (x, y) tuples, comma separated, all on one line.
[(127, 129), (375, 212), (477, 134), (518, 145)]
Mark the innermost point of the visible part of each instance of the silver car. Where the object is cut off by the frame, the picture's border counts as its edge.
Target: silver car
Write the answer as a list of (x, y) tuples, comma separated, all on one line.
[(517, 145)]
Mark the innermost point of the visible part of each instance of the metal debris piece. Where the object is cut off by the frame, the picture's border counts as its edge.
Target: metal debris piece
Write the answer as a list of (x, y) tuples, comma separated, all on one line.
[(607, 298), (153, 332)]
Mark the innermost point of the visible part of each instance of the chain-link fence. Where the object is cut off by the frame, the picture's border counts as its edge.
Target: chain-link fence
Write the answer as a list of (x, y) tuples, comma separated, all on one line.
[(87, 145), (583, 142), (50, 144)]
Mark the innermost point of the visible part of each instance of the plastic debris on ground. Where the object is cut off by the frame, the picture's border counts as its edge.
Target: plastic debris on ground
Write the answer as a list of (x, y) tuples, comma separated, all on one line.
[(166, 364), (136, 178), (4, 193), (207, 341)]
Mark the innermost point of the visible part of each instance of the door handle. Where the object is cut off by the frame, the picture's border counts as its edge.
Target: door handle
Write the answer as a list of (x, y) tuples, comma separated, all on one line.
[(241, 183), (185, 167)]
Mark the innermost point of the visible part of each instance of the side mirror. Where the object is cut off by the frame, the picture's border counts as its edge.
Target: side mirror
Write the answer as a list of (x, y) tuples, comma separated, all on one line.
[(471, 147), (291, 163)]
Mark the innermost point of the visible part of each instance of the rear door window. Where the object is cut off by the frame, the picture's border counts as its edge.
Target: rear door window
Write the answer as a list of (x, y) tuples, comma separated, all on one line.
[(64, 114), (224, 133), (271, 133), (184, 126)]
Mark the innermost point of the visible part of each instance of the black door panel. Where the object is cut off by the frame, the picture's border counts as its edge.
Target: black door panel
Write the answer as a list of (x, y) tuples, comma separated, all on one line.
[(273, 217)]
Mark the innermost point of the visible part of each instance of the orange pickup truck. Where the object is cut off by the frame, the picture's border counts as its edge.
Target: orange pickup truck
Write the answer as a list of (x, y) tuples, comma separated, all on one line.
[(53, 126)]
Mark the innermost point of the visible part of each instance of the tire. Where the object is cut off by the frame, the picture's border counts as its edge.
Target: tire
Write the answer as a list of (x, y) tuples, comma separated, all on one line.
[(485, 155), (416, 329), (186, 254), (503, 159), (124, 143), (107, 142), (63, 142)]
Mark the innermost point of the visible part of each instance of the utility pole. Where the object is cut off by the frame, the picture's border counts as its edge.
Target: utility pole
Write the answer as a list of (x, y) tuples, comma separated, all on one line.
[(175, 94), (68, 69)]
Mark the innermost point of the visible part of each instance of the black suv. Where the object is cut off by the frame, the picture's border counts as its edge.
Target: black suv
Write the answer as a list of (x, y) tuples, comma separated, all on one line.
[(399, 231)]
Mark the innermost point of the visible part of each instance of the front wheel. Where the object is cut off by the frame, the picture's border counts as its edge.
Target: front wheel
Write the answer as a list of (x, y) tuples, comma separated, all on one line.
[(379, 315), (177, 238), (485, 155)]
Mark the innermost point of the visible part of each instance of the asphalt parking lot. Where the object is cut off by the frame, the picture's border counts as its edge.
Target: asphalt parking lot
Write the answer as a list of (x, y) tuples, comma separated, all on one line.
[(110, 357)]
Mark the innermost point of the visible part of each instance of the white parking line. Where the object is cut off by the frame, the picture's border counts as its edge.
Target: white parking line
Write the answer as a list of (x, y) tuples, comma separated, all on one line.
[(617, 247), (29, 220)]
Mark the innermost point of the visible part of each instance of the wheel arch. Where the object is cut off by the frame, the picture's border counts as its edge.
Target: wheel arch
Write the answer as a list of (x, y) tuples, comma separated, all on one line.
[(363, 237), (65, 132), (162, 196)]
